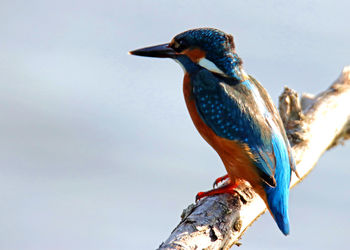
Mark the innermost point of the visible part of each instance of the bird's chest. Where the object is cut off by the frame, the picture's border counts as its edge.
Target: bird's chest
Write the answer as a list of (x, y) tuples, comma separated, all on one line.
[(205, 131)]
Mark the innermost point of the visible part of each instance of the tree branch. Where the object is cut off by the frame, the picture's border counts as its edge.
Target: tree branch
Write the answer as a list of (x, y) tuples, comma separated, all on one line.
[(314, 124)]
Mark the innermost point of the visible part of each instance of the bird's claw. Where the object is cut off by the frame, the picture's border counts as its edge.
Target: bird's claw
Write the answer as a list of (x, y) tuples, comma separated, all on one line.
[(228, 188), (220, 179), (200, 195)]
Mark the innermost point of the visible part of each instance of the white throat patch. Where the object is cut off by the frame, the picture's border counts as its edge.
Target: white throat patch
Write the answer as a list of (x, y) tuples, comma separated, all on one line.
[(209, 65)]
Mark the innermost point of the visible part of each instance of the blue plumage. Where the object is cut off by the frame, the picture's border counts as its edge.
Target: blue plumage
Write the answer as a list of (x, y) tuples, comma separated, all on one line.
[(277, 197)]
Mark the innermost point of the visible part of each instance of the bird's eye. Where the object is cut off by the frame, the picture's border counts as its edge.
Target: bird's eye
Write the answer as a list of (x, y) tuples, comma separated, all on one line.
[(175, 45), (178, 46)]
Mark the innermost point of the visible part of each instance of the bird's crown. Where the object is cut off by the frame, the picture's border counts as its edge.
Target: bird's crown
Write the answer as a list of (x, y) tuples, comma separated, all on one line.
[(213, 42)]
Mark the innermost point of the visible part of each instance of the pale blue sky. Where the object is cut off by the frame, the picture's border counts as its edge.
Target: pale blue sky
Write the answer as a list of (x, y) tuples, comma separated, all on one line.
[(97, 150)]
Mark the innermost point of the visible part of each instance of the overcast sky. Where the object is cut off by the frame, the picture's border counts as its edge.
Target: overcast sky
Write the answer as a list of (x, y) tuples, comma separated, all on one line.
[(97, 150)]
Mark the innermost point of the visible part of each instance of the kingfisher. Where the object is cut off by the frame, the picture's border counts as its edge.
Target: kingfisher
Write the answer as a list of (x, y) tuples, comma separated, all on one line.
[(235, 115)]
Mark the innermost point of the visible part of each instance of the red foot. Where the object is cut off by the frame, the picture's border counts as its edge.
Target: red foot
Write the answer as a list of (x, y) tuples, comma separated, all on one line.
[(220, 179), (229, 188)]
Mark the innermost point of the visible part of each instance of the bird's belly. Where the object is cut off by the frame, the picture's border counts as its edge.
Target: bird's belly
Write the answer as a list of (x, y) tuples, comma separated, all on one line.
[(236, 156)]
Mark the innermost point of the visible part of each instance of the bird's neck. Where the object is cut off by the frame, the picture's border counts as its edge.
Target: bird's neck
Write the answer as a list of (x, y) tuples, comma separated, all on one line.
[(230, 65), (187, 64)]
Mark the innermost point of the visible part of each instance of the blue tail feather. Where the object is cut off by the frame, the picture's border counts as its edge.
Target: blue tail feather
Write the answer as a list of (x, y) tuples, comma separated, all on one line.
[(277, 198)]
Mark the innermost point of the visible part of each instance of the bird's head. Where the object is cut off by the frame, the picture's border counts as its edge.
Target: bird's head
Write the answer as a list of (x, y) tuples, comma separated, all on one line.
[(206, 48)]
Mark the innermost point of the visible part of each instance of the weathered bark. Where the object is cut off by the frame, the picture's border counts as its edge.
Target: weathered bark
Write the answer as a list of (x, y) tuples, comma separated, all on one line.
[(314, 124)]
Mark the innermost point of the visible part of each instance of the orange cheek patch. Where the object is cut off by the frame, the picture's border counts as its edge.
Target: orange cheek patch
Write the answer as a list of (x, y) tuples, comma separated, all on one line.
[(194, 54)]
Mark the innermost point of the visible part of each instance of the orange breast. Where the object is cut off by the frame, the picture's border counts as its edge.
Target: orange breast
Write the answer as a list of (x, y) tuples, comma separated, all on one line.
[(236, 156)]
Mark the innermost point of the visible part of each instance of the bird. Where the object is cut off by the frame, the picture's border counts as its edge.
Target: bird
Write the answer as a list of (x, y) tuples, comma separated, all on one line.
[(235, 115)]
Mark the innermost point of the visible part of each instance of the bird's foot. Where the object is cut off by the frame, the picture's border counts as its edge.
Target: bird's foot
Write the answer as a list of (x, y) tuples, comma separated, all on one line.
[(220, 179), (228, 188)]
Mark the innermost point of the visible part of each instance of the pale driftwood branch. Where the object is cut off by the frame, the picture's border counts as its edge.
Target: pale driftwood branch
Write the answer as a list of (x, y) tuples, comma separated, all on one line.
[(314, 124)]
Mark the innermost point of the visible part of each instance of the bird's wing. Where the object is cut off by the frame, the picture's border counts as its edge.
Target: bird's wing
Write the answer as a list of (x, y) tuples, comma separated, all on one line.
[(232, 111), (277, 119)]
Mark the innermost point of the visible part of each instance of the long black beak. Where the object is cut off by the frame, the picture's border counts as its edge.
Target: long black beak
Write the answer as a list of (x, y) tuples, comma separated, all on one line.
[(161, 51)]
